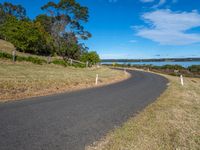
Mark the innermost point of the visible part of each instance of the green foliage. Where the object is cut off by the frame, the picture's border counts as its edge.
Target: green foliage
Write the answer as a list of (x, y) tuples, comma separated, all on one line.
[(174, 67), (5, 55), (194, 68), (70, 50), (34, 60), (92, 57), (78, 65), (55, 33), (60, 62), (27, 36), (31, 59), (8, 9), (66, 14), (45, 21)]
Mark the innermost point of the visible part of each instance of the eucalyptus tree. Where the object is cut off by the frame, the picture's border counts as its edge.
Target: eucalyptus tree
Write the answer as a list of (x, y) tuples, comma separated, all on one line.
[(67, 18), (13, 10), (45, 21)]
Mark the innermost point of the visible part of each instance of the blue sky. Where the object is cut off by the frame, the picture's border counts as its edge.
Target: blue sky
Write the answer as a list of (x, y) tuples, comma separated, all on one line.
[(138, 28)]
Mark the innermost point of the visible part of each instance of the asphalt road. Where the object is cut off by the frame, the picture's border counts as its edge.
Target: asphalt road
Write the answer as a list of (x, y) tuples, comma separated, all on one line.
[(71, 121)]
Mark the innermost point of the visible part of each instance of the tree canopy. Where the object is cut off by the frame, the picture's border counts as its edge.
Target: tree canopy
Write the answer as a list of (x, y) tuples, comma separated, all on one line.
[(55, 32)]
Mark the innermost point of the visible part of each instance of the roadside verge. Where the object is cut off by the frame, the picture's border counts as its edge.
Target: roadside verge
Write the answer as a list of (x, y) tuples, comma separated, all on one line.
[(171, 122), (24, 80)]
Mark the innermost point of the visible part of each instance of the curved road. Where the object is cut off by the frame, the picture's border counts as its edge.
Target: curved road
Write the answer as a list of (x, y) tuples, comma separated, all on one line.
[(71, 121)]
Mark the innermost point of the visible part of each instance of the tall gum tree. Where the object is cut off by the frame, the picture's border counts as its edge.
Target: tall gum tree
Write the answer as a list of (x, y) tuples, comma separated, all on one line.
[(67, 17)]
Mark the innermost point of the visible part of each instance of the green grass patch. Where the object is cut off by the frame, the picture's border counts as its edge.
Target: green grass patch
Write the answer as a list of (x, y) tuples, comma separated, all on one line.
[(31, 59)]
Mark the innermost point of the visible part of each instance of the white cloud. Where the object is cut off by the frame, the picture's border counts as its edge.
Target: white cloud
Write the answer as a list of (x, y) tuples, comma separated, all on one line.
[(161, 2), (169, 28), (147, 1)]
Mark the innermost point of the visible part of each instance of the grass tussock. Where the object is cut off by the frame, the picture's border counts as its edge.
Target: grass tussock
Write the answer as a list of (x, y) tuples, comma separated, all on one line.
[(171, 123), (21, 80)]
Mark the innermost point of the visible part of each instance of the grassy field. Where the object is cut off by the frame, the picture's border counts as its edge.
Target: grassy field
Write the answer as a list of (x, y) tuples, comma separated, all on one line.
[(170, 123), (24, 79), (21, 80)]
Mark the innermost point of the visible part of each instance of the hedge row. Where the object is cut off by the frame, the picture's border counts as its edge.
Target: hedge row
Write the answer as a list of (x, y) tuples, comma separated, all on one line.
[(193, 68), (37, 60), (34, 60)]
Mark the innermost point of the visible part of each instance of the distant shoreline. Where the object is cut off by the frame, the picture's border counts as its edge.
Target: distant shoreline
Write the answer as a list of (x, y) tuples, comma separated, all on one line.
[(152, 60)]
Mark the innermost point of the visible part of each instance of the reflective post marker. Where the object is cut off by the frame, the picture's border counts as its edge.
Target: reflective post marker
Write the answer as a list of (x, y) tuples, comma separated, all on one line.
[(181, 77), (97, 78)]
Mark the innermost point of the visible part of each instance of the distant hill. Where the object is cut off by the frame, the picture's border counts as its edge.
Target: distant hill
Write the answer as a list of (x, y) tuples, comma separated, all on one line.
[(152, 60)]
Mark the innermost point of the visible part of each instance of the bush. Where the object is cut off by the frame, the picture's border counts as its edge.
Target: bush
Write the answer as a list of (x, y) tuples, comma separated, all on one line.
[(194, 68), (5, 55), (91, 57), (173, 67), (78, 65), (26, 36), (60, 62), (34, 60)]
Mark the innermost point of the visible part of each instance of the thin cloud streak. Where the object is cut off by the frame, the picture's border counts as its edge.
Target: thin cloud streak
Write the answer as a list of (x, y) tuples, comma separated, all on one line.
[(147, 1), (169, 28)]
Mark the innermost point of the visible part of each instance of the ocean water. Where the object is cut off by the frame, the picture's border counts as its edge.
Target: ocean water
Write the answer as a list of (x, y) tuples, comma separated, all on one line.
[(184, 64)]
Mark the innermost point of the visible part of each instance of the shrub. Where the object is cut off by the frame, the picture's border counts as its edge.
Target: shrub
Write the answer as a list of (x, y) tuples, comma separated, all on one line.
[(92, 57), (173, 67), (5, 55), (78, 65), (194, 68), (60, 62), (34, 60)]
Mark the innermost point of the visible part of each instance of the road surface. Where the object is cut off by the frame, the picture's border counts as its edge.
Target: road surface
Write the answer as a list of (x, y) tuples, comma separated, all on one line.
[(73, 120)]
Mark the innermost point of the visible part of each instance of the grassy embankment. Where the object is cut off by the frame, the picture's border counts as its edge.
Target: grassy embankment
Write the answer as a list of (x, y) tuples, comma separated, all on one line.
[(170, 123), (24, 79), (7, 47)]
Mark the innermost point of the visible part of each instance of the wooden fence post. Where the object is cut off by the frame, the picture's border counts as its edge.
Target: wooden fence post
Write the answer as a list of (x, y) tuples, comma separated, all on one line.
[(49, 59), (14, 55), (87, 64), (71, 62)]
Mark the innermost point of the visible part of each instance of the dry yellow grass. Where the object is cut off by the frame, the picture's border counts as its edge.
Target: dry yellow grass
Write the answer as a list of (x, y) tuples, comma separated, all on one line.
[(170, 123), (6, 46), (21, 80)]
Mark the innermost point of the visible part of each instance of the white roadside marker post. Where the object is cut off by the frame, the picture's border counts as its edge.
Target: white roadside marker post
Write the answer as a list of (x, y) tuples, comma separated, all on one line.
[(182, 83), (97, 78)]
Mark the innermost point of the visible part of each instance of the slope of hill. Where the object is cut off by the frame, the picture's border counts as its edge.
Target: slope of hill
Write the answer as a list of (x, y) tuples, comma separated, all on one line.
[(6, 46), (24, 79)]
